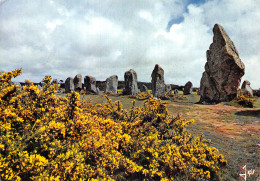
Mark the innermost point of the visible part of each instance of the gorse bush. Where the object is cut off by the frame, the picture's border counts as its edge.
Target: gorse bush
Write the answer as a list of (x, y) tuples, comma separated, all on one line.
[(46, 137), (245, 100)]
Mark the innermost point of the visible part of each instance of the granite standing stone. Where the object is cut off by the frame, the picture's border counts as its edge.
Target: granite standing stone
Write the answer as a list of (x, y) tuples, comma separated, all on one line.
[(131, 87), (158, 86), (187, 88), (176, 91), (144, 88), (168, 88), (111, 84), (223, 70), (78, 82), (40, 87), (247, 90), (54, 81), (90, 84), (69, 85)]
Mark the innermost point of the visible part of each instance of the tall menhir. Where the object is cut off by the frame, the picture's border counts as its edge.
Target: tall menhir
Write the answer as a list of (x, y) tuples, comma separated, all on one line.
[(131, 87), (223, 70), (158, 86)]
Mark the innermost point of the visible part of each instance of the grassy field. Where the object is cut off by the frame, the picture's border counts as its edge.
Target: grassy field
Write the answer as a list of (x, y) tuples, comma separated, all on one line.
[(234, 130)]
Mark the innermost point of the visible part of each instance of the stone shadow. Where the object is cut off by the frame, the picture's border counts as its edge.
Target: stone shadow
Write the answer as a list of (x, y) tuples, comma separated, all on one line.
[(255, 113)]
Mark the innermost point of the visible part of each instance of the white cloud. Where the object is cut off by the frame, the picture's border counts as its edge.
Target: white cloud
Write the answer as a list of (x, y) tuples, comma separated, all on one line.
[(239, 20), (146, 16), (51, 25), (102, 38)]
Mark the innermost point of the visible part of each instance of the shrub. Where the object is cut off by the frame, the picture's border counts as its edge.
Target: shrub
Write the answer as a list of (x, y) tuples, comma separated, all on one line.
[(245, 100), (46, 137), (141, 96)]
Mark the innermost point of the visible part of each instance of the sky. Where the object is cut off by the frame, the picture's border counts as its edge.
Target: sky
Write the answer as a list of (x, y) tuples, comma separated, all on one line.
[(101, 38)]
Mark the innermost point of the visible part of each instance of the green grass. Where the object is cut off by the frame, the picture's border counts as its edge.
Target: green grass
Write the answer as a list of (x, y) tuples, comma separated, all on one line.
[(257, 103)]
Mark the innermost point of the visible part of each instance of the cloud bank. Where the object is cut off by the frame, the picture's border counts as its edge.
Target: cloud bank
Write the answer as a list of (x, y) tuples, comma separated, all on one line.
[(103, 38)]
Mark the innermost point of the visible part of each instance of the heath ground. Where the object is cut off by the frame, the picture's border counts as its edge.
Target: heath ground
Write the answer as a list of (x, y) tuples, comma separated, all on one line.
[(233, 129)]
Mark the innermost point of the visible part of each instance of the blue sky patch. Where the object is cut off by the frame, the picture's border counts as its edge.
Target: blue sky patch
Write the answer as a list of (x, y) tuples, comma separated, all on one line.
[(180, 19)]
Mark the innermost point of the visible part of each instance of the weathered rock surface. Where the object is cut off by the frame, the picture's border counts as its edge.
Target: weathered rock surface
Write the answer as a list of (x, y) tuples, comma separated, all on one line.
[(187, 88), (60, 91), (54, 81), (69, 85), (40, 87), (131, 87), (111, 84), (223, 70), (168, 88), (90, 84), (78, 82), (247, 90), (144, 89), (158, 86)]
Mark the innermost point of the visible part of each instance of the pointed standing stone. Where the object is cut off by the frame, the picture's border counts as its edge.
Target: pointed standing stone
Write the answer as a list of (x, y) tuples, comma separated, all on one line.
[(187, 88), (247, 89), (111, 84), (223, 70), (131, 87), (158, 86), (69, 85)]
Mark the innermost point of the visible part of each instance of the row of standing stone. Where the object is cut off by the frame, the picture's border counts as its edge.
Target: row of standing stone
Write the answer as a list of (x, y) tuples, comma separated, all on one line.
[(220, 81), (131, 88), (112, 84), (76, 84)]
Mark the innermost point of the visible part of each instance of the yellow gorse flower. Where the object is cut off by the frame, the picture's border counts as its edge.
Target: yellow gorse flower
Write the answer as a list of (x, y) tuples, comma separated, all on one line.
[(46, 137)]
